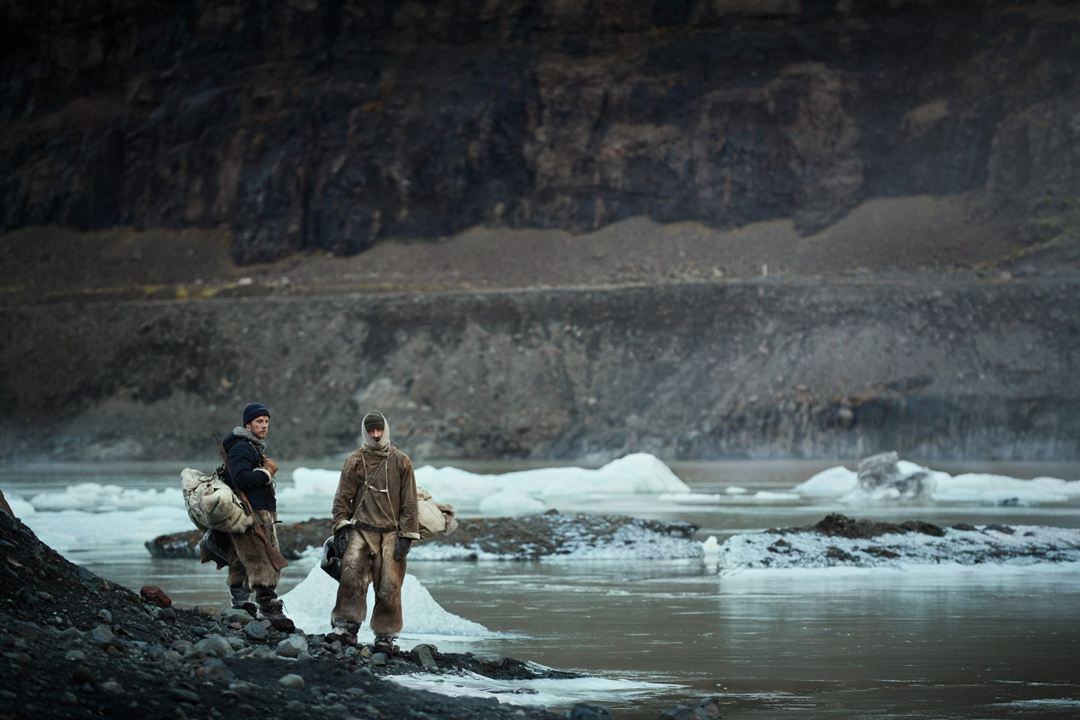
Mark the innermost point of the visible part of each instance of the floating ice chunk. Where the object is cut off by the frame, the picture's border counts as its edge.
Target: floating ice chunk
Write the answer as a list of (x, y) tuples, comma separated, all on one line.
[(19, 507), (886, 477), (511, 503), (880, 477), (770, 496), (830, 483), (711, 547), (310, 603), (546, 692), (638, 473), (95, 497), (691, 498), (308, 482), (883, 478), (74, 530), (1000, 490), (763, 496)]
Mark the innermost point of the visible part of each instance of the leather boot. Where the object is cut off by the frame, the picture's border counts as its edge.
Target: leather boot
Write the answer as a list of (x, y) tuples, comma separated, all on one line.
[(241, 600), (385, 644), (271, 608), (343, 632)]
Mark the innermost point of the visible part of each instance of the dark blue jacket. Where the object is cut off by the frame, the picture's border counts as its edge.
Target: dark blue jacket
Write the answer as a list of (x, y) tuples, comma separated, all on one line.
[(244, 457)]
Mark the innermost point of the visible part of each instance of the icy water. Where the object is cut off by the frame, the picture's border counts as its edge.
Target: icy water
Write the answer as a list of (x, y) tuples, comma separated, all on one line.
[(977, 643)]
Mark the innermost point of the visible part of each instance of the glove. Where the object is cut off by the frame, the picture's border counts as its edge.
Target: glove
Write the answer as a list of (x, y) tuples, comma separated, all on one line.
[(402, 547), (270, 465), (341, 540)]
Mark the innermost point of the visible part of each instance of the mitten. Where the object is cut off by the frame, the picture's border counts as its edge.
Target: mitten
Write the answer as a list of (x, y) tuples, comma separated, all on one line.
[(402, 547), (341, 540)]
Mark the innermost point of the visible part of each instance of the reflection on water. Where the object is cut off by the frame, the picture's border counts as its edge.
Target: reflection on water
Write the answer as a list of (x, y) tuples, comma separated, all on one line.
[(962, 643), (812, 644)]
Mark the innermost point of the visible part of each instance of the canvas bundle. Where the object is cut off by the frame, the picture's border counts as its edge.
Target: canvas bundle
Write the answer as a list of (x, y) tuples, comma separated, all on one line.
[(435, 518), (211, 504)]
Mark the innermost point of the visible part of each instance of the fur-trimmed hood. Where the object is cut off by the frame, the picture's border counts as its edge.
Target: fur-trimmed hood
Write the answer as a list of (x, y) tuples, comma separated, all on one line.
[(368, 444), (242, 433)]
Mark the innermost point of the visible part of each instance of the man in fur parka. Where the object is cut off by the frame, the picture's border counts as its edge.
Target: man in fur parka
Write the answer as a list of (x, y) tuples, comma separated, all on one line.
[(254, 557), (375, 521)]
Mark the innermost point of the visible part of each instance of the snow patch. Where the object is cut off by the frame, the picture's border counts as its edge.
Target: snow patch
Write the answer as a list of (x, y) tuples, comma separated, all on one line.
[(991, 545)]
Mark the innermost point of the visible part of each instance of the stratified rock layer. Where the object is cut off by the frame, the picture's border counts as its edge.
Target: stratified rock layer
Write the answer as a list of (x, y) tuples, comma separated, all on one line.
[(303, 125), (935, 367)]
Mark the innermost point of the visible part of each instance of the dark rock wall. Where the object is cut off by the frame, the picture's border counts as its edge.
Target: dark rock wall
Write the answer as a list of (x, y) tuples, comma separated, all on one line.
[(330, 125), (762, 369)]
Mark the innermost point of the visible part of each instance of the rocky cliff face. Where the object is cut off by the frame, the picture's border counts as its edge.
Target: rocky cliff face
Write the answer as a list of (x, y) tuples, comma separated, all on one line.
[(909, 168), (933, 369), (330, 125)]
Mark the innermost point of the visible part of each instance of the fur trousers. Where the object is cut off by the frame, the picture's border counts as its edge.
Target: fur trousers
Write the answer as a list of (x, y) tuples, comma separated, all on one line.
[(249, 566), (369, 558)]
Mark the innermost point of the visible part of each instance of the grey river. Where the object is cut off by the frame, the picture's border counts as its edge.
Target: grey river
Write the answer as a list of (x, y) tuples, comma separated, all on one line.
[(934, 643)]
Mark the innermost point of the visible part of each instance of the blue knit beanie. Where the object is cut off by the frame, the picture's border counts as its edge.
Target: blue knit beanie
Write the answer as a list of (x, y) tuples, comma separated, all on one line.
[(253, 411)]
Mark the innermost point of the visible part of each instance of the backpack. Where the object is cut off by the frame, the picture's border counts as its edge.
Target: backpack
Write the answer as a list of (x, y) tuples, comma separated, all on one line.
[(211, 503)]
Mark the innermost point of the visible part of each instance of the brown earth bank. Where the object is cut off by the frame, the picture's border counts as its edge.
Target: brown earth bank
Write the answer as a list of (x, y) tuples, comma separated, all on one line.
[(330, 126), (876, 241), (935, 365)]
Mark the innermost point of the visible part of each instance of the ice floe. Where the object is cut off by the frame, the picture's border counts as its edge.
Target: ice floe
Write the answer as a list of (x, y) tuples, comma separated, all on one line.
[(900, 480), (95, 497), (521, 492)]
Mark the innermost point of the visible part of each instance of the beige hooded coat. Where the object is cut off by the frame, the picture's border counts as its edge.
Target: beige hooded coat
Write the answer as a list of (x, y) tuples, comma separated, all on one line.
[(376, 501), (377, 488)]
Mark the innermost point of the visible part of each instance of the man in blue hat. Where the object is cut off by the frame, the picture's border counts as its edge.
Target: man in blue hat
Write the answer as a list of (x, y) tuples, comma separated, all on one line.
[(255, 559)]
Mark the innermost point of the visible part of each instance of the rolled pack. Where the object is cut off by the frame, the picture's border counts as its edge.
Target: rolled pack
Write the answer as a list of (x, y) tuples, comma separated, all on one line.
[(211, 504)]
